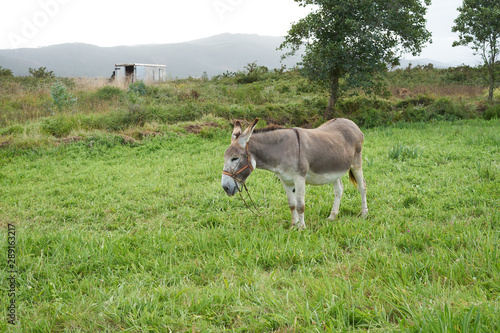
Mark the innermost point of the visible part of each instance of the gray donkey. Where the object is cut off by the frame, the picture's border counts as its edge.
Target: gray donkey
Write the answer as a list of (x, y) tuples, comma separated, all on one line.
[(298, 157)]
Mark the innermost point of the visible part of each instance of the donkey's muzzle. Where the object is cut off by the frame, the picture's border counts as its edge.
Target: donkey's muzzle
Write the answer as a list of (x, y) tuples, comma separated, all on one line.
[(229, 185), (230, 192)]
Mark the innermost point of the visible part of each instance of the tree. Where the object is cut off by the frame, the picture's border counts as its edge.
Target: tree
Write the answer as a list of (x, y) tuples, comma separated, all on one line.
[(478, 23), (41, 73), (347, 42), (5, 72)]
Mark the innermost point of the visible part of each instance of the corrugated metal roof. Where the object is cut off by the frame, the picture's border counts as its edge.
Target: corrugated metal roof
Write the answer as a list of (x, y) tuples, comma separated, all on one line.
[(135, 64)]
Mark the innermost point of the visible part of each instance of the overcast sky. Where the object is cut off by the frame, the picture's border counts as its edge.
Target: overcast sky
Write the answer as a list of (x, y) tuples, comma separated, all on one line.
[(35, 23)]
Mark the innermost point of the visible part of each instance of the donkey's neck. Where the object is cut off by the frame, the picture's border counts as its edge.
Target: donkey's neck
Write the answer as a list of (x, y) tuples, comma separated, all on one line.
[(273, 150)]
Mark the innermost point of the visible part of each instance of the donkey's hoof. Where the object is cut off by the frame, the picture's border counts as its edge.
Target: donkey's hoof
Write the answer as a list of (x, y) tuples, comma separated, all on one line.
[(364, 213), (332, 217), (300, 226)]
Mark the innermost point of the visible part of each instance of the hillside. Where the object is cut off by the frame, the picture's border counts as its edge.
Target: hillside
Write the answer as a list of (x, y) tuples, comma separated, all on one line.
[(214, 55)]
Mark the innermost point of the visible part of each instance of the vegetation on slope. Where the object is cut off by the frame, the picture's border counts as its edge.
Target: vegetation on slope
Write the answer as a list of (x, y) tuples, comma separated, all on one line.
[(38, 111)]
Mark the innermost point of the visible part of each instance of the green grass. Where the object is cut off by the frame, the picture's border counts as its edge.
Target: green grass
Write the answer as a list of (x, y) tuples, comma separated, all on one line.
[(114, 235)]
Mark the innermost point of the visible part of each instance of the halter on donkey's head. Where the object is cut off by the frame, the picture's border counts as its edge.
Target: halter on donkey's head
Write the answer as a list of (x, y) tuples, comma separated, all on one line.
[(238, 141), (238, 149), (248, 165)]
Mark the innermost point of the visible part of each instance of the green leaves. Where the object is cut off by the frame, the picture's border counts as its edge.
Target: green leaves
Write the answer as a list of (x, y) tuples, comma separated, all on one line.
[(353, 39), (478, 25), (62, 99)]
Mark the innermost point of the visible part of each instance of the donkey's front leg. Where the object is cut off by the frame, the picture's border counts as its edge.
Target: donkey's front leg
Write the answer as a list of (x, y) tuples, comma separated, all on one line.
[(290, 194), (300, 193)]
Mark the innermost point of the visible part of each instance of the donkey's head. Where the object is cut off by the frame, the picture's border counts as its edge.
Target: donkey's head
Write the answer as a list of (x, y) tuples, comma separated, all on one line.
[(238, 163)]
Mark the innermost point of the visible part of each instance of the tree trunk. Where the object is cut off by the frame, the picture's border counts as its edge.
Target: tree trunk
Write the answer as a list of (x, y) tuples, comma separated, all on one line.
[(491, 79), (490, 64), (492, 88), (334, 95)]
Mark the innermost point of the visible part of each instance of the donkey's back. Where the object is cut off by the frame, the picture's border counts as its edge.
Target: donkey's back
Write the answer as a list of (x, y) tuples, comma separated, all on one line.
[(334, 147)]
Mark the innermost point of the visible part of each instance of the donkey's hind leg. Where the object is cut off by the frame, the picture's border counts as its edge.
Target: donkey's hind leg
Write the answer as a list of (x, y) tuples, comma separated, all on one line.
[(338, 189), (357, 172)]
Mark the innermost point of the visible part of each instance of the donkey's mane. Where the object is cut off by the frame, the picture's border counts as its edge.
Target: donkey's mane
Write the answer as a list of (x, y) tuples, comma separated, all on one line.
[(269, 128)]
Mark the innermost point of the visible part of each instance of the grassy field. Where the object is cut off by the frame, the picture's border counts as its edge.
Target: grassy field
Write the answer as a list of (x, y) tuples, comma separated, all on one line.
[(113, 234)]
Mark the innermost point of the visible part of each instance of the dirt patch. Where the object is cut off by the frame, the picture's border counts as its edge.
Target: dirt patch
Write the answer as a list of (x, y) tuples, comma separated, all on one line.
[(4, 144), (147, 134), (197, 128), (403, 93), (70, 139), (129, 139)]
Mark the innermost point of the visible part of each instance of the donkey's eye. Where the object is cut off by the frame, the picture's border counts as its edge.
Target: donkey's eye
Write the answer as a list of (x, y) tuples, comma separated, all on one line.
[(234, 159)]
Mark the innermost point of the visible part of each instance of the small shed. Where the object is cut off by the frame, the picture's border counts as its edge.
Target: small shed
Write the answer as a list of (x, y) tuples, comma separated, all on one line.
[(133, 72)]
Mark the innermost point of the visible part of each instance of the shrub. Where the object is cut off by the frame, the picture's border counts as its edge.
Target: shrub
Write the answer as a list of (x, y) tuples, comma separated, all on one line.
[(370, 117), (367, 112), (138, 88), (415, 114), (419, 100), (445, 109), (41, 73), (5, 72), (247, 78), (61, 98), (59, 126), (137, 115), (16, 129), (304, 86), (493, 111), (108, 93)]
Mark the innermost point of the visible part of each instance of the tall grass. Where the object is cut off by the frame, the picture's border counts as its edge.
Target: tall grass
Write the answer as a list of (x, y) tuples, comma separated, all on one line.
[(402, 152)]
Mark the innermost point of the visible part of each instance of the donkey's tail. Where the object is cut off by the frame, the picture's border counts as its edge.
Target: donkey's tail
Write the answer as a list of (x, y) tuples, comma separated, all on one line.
[(352, 178)]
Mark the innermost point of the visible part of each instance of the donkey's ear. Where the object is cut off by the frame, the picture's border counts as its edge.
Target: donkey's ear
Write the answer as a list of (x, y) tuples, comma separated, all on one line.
[(236, 131), (243, 139)]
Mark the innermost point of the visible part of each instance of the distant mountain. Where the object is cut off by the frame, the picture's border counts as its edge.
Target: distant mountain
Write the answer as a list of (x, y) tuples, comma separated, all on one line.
[(437, 64), (422, 62), (214, 55)]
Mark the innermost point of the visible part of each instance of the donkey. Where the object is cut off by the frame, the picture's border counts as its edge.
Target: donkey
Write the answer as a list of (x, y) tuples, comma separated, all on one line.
[(298, 157)]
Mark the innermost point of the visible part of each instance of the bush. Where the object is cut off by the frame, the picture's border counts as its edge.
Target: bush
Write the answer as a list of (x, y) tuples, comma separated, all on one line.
[(371, 117), (367, 112), (415, 114), (5, 72), (16, 129), (61, 98), (59, 126), (41, 73), (138, 88), (108, 93), (445, 109), (493, 111), (419, 100)]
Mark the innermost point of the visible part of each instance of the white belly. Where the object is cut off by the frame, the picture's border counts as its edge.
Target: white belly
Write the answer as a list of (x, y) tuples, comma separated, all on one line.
[(323, 178)]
